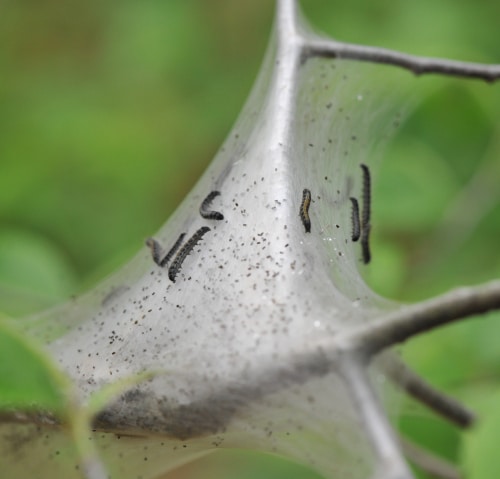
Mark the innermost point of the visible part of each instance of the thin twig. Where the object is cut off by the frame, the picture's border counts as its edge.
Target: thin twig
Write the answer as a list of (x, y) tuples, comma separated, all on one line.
[(418, 318), (447, 407), (373, 419), (429, 462), (418, 65)]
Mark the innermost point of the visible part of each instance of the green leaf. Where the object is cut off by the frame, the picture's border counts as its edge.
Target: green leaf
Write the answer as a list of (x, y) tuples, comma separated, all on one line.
[(34, 273), (480, 451), (28, 379)]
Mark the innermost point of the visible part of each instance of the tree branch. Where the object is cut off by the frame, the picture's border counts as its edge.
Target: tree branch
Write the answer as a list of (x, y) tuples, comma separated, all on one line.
[(418, 318), (414, 385), (418, 65), (428, 462), (385, 444)]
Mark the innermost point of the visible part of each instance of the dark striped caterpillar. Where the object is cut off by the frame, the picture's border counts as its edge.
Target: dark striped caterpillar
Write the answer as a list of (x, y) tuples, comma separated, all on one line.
[(304, 210), (365, 244), (156, 250), (356, 229), (210, 214), (184, 251), (366, 212), (365, 215)]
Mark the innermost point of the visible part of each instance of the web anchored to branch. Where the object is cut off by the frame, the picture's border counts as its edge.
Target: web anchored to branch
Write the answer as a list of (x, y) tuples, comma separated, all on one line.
[(418, 65), (257, 324)]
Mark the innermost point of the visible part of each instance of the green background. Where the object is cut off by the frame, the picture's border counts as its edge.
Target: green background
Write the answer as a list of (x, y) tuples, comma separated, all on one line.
[(111, 110)]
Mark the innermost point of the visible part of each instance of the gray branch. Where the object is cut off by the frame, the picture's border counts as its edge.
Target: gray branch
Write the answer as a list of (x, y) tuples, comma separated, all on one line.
[(409, 321), (418, 388), (428, 462), (418, 65), (390, 464)]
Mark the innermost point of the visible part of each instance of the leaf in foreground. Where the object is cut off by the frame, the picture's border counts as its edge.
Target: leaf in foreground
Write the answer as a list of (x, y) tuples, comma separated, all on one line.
[(28, 379)]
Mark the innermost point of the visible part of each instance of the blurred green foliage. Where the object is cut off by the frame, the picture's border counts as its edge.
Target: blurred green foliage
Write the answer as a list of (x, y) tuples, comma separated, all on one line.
[(37, 385), (110, 111)]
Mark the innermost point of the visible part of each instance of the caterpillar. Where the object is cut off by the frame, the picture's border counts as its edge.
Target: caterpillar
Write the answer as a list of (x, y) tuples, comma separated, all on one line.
[(210, 214), (365, 244), (156, 250), (366, 212), (304, 210), (356, 230), (365, 215), (184, 251)]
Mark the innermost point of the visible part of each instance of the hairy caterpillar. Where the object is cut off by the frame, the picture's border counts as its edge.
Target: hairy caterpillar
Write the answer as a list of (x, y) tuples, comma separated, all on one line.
[(365, 215), (365, 243), (304, 210), (156, 250), (366, 211), (356, 229), (210, 214), (184, 251)]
